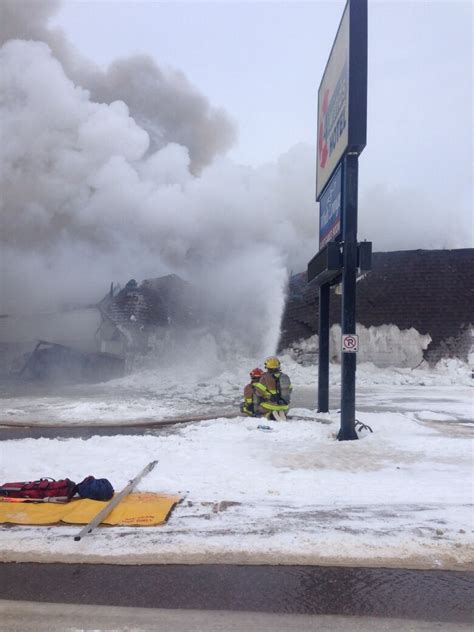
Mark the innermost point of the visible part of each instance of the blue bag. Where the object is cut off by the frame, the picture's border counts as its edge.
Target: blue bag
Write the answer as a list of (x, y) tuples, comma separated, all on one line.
[(95, 488)]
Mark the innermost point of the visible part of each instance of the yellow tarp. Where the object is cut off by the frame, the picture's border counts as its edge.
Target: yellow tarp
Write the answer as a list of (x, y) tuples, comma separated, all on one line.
[(136, 510)]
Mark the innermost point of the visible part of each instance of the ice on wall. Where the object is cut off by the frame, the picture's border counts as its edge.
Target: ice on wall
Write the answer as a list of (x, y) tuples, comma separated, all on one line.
[(384, 346), (471, 350)]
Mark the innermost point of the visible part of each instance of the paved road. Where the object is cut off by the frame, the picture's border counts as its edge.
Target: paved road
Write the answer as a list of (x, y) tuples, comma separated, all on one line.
[(438, 596)]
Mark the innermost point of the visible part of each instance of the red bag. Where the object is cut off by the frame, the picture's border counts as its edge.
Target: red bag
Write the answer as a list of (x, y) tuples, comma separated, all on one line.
[(37, 490)]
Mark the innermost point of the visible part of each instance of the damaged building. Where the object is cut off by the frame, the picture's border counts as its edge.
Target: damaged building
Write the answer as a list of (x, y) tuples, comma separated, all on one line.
[(95, 343), (136, 314), (424, 297), (427, 292)]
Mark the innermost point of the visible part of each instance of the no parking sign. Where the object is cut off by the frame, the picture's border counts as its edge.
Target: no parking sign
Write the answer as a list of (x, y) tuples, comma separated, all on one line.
[(350, 343)]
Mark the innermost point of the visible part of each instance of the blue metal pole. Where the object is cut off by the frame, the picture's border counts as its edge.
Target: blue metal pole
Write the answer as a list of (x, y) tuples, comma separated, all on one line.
[(348, 320), (323, 359)]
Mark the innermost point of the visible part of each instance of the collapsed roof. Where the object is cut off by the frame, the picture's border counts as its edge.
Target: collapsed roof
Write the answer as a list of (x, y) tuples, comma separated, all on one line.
[(163, 301)]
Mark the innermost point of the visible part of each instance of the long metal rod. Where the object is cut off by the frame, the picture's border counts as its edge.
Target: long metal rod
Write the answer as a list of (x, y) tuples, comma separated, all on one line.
[(103, 513)]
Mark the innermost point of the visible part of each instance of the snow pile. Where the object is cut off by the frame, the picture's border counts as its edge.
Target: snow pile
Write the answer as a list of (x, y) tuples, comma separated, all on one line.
[(444, 373), (203, 380), (59, 410), (455, 368)]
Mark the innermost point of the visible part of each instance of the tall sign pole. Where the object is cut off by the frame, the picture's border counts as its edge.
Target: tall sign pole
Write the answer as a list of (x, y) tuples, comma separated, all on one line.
[(348, 318), (342, 124), (358, 119)]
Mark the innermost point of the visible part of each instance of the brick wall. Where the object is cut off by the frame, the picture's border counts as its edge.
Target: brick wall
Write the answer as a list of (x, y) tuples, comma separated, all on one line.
[(429, 290)]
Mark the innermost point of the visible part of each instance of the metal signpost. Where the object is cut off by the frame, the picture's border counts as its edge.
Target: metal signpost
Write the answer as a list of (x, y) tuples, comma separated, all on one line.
[(342, 122)]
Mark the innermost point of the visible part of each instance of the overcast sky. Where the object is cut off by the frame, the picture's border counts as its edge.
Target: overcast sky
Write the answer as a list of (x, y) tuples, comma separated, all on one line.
[(262, 62), (79, 171)]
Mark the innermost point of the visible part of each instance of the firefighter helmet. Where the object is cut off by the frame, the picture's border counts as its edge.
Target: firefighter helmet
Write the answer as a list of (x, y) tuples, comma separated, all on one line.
[(272, 363), (256, 373)]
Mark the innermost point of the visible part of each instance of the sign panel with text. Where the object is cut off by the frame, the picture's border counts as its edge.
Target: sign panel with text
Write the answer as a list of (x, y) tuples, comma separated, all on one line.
[(333, 106), (330, 210), (342, 95)]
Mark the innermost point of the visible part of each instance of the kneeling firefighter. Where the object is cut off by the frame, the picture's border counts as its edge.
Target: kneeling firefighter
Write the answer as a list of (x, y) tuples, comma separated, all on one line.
[(274, 389), (251, 397)]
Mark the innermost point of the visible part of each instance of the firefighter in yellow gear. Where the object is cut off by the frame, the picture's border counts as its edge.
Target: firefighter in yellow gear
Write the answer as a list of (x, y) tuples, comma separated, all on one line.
[(274, 389), (251, 397)]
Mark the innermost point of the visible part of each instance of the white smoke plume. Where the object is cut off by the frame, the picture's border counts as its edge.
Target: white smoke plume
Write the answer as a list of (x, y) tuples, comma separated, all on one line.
[(119, 173), (91, 193), (161, 101)]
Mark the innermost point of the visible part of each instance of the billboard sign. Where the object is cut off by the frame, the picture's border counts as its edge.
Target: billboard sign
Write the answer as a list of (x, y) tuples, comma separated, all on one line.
[(330, 210), (342, 94), (333, 106)]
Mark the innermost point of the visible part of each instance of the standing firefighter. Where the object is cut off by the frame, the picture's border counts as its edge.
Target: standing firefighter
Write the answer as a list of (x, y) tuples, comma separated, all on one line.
[(251, 397), (274, 389)]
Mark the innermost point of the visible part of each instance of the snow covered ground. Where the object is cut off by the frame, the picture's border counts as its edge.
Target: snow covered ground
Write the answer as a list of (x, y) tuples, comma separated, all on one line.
[(401, 496), (209, 384)]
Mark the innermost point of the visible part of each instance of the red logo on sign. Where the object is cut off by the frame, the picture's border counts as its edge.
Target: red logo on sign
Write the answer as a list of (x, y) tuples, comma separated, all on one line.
[(322, 144)]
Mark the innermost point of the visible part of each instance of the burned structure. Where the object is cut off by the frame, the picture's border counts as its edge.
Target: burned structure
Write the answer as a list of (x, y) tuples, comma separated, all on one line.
[(95, 343), (430, 292), (133, 315), (54, 361)]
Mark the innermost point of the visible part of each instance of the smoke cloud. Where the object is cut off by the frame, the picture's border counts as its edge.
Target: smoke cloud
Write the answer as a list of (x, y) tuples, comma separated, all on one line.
[(100, 182), (162, 102), (120, 173)]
